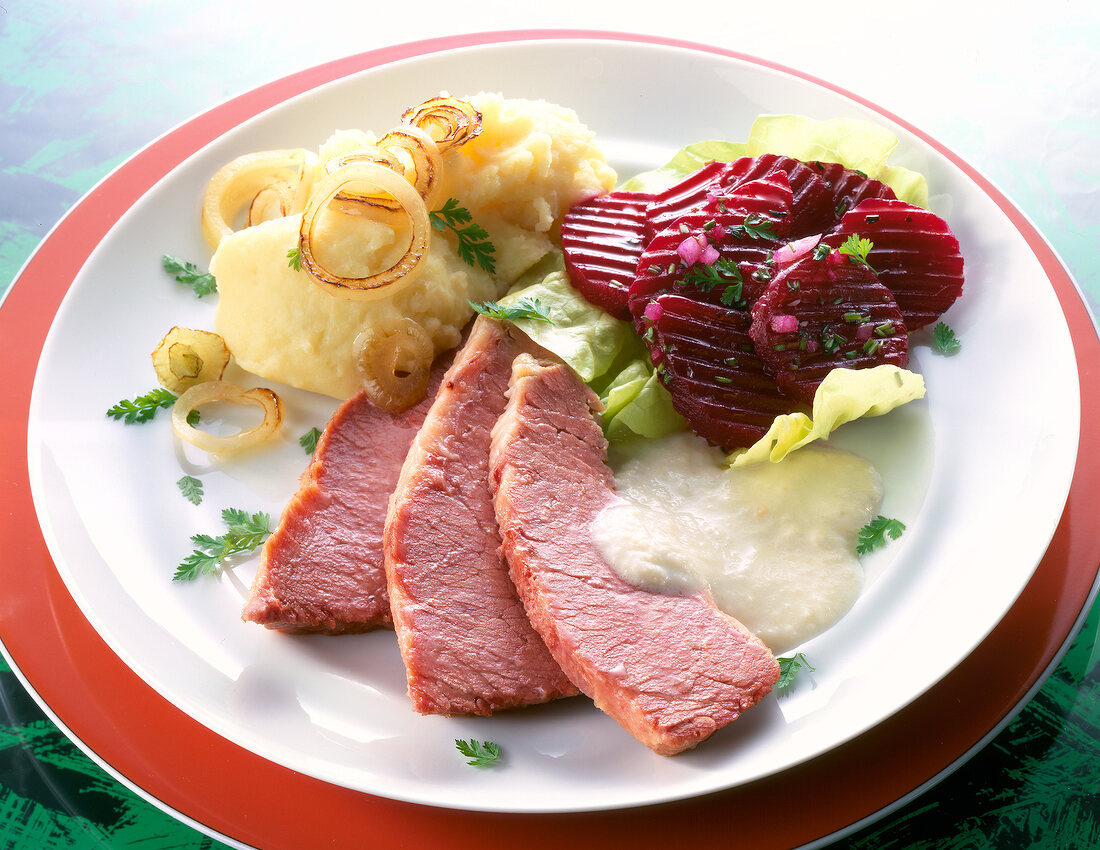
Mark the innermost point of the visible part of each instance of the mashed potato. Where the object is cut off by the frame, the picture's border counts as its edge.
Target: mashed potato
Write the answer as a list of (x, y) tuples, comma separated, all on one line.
[(532, 161)]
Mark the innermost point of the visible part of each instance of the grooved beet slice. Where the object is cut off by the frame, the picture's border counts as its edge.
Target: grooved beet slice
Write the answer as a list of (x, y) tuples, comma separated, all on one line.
[(822, 192), (821, 314), (706, 360), (915, 255), (744, 228), (602, 240)]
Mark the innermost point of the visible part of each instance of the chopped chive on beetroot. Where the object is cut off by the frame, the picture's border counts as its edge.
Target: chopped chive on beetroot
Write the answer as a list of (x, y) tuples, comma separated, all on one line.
[(914, 254), (839, 316)]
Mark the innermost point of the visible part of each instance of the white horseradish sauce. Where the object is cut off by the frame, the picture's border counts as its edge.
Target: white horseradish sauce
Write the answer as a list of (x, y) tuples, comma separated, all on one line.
[(774, 543)]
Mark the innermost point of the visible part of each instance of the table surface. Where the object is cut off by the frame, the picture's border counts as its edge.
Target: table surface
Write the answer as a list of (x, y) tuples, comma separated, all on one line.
[(83, 87)]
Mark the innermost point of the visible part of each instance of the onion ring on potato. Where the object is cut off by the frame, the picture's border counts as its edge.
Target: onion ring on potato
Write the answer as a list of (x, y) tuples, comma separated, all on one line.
[(377, 283), (449, 121)]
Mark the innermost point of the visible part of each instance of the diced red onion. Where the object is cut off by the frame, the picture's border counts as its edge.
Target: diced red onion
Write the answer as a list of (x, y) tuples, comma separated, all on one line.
[(865, 331), (784, 324), (793, 250), (709, 255), (652, 311), (689, 250)]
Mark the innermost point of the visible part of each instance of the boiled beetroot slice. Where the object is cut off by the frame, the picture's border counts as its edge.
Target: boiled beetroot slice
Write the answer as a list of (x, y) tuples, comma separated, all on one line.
[(821, 314), (693, 191), (744, 228), (915, 255), (602, 240), (706, 360), (822, 192)]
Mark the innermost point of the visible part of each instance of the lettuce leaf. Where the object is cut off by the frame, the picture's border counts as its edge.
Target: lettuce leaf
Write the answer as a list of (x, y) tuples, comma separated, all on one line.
[(844, 395), (687, 160), (859, 145), (582, 334)]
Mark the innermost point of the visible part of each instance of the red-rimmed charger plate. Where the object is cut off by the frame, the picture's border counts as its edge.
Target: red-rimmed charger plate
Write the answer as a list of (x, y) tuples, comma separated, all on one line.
[(191, 770)]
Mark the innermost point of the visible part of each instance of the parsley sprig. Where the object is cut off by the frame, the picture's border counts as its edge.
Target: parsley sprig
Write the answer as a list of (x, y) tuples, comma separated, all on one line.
[(188, 274), (142, 408), (522, 308), (308, 440), (788, 670), (478, 753), (874, 533), (857, 248), (944, 339), (244, 532), (294, 259), (474, 247), (191, 488), (722, 271)]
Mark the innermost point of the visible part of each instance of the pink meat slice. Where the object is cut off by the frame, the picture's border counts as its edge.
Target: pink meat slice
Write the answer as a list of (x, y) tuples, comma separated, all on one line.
[(467, 644), (671, 669), (322, 569)]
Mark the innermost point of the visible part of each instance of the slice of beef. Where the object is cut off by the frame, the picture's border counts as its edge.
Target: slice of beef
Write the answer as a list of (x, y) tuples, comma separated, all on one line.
[(671, 669), (467, 644), (322, 569)]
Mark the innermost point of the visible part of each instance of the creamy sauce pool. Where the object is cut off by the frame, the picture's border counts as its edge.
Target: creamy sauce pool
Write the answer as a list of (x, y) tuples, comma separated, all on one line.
[(773, 543)]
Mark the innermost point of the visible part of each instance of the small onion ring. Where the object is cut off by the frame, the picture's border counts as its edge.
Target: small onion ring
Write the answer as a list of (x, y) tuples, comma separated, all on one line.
[(211, 391), (374, 285), (272, 201), (455, 121), (423, 152), (394, 360), (235, 184), (357, 203)]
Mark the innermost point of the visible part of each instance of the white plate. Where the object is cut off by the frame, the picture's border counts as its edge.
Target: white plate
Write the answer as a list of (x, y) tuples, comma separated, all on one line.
[(979, 470)]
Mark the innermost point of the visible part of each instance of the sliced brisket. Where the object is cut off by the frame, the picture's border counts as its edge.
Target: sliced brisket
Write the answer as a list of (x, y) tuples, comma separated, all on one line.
[(466, 641), (671, 669), (322, 569)]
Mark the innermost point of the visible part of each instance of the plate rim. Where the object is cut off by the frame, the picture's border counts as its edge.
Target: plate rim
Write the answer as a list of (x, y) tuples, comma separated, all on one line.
[(301, 82)]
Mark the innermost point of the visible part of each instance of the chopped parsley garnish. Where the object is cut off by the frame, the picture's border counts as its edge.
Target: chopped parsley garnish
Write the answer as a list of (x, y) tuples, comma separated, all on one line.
[(244, 532), (944, 339), (191, 488), (308, 440), (731, 297), (857, 248), (474, 247), (523, 308), (788, 669), (478, 753), (294, 259), (874, 534), (188, 274), (755, 227)]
